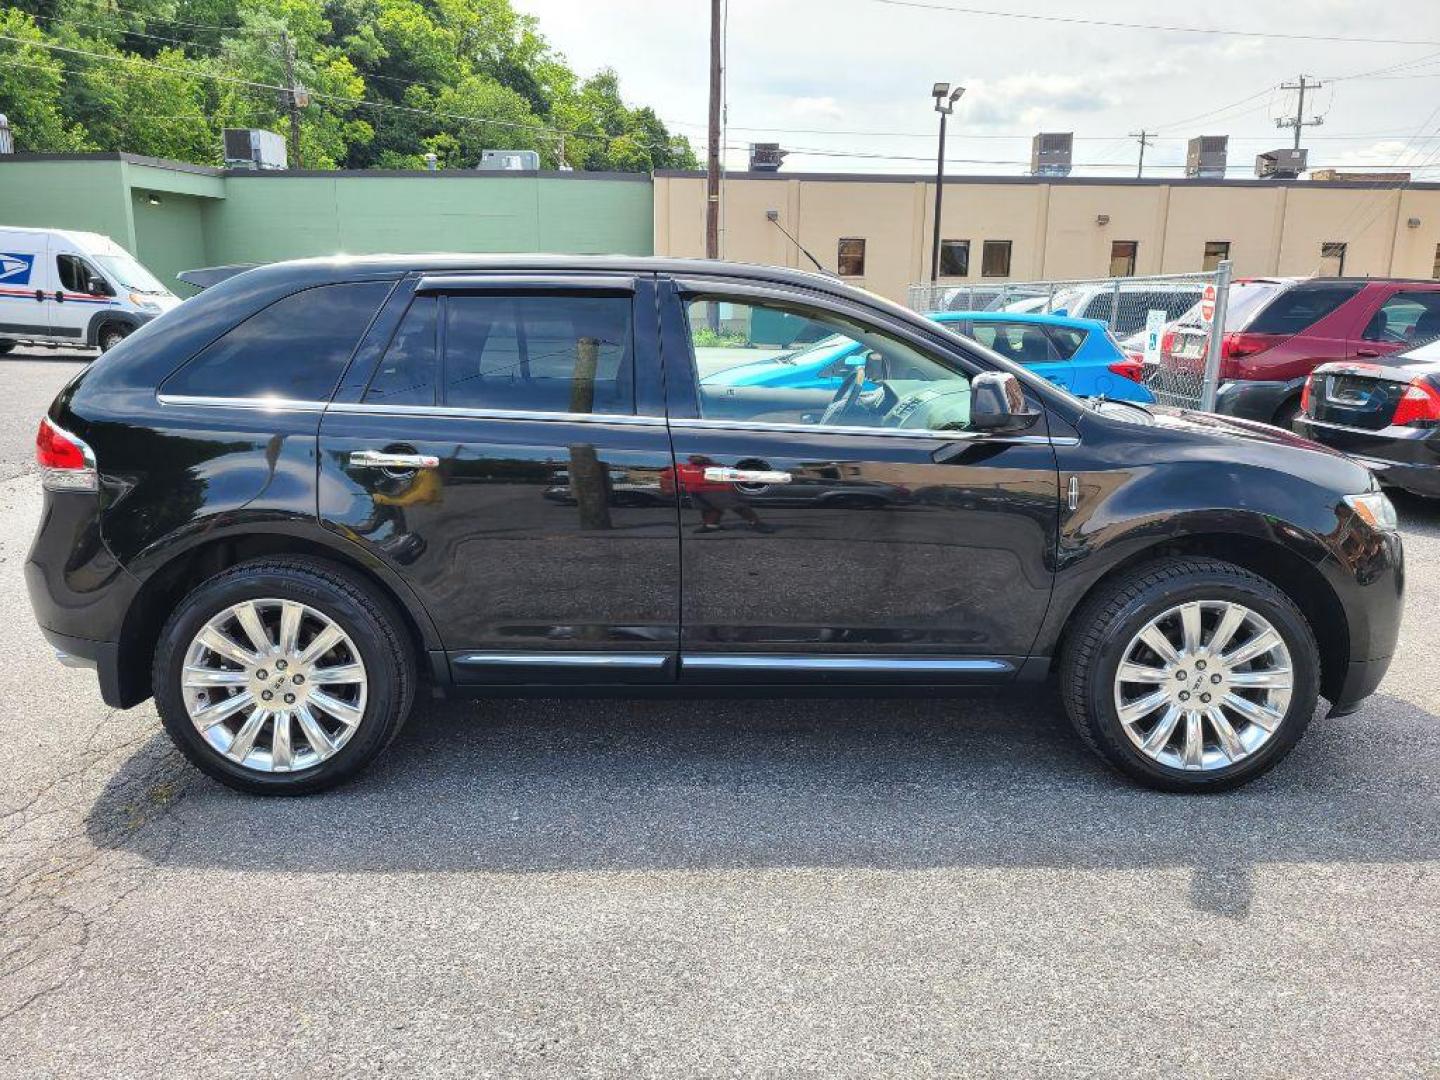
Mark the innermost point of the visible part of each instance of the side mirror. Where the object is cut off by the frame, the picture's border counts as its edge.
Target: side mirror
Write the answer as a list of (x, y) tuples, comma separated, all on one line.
[(997, 403), (98, 287)]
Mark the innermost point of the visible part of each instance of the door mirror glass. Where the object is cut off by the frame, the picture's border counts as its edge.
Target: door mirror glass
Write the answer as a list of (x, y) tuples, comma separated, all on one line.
[(998, 403), (97, 286)]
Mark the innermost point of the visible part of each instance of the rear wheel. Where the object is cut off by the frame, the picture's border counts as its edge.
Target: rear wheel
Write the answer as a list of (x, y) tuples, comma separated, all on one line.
[(1191, 674), (282, 677), (111, 335), (1287, 414)]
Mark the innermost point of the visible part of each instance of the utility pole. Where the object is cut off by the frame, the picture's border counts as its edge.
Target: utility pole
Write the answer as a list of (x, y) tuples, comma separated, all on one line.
[(1298, 121), (712, 164), (290, 98), (1144, 137)]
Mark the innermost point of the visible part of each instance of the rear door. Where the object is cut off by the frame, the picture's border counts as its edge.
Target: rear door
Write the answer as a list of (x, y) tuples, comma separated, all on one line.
[(1396, 319), (23, 282), (500, 443), (862, 534)]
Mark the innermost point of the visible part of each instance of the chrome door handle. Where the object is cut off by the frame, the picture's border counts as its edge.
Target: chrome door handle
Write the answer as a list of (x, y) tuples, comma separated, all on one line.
[(375, 459), (719, 475)]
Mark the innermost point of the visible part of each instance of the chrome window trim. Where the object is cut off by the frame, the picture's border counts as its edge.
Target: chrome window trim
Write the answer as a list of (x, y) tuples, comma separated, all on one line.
[(263, 404), (894, 433), (560, 281), (457, 413)]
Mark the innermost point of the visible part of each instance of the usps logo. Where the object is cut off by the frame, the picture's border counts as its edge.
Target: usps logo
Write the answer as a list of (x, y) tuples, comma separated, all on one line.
[(15, 268)]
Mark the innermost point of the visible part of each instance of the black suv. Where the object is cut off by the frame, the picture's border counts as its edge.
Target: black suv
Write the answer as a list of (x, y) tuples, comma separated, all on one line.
[(282, 507)]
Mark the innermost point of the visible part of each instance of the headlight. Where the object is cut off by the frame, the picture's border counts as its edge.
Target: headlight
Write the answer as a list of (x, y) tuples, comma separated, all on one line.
[(1375, 509), (144, 303)]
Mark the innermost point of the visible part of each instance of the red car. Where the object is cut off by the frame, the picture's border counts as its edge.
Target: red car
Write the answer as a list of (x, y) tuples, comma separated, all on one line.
[(1278, 330)]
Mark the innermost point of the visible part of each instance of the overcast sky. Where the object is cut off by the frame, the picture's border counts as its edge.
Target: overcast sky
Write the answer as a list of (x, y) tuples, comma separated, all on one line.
[(836, 75)]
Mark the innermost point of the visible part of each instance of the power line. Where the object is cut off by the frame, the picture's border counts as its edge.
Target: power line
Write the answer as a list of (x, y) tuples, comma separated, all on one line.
[(1112, 24)]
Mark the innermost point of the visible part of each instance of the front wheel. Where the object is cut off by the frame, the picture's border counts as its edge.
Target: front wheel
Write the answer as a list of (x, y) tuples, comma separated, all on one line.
[(1190, 674), (283, 676)]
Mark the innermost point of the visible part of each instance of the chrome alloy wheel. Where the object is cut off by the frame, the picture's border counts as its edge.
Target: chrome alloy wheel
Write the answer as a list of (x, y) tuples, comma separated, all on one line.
[(1203, 685), (274, 685)]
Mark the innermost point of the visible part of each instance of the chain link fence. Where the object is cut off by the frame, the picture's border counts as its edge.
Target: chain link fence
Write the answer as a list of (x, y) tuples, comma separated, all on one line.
[(1163, 320)]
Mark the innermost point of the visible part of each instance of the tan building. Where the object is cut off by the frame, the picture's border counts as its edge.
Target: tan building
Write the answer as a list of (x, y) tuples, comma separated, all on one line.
[(876, 231)]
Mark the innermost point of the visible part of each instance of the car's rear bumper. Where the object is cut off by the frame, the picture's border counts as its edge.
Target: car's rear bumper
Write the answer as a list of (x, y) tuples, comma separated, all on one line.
[(1403, 457), (101, 656), (1255, 399)]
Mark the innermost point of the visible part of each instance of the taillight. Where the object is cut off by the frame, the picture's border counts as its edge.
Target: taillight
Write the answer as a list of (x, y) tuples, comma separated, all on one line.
[(1234, 346), (1419, 403), (1305, 395), (1130, 368), (1167, 341), (66, 463)]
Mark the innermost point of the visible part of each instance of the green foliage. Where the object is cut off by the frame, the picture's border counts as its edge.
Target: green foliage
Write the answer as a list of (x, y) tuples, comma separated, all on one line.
[(389, 81), (706, 338)]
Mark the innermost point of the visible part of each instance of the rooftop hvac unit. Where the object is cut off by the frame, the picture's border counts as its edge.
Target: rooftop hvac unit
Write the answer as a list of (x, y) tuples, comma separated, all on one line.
[(1205, 159), (252, 148), (1050, 153), (1285, 164), (766, 157), (509, 161)]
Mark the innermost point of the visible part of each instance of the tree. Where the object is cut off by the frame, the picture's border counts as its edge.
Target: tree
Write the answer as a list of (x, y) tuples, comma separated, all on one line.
[(389, 80)]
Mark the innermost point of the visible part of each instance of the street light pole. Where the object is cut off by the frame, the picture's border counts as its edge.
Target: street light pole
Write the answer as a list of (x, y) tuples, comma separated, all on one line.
[(945, 100)]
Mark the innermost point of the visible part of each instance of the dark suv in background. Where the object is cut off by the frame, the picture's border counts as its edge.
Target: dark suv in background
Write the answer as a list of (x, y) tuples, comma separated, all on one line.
[(284, 505), (1278, 330)]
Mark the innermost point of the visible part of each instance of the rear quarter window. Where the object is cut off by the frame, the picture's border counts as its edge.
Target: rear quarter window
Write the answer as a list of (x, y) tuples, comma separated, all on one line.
[(1298, 309), (296, 348)]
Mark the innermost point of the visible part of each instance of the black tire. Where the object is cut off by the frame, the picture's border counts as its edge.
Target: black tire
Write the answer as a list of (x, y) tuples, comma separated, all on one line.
[(111, 335), (367, 617), (6, 345), (1287, 414), (1107, 622)]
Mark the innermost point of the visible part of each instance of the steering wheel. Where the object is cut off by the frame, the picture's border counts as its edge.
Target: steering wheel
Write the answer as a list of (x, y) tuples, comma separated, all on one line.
[(846, 396)]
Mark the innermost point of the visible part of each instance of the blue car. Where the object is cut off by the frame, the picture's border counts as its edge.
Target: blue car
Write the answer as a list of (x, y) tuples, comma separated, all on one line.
[(1078, 354)]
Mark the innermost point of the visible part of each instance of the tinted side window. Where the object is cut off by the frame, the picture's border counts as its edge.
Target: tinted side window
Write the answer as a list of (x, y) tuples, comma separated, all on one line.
[(406, 375), (1406, 318), (1296, 309), (555, 353), (1067, 340), (1024, 343), (76, 275), (296, 348)]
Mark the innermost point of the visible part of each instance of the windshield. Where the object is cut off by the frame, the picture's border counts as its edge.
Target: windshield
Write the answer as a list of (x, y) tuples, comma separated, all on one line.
[(824, 345), (131, 275)]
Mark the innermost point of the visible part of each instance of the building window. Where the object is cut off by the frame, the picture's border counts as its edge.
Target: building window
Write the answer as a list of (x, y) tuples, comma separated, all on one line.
[(1435, 270), (954, 258), (1332, 259), (1122, 258), (850, 259), (1216, 252), (995, 259)]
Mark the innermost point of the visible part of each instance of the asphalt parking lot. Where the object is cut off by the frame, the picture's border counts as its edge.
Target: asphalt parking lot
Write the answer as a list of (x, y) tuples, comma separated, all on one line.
[(781, 888)]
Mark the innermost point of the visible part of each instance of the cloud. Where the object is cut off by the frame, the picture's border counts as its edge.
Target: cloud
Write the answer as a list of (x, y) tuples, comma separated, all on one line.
[(816, 108), (1029, 98)]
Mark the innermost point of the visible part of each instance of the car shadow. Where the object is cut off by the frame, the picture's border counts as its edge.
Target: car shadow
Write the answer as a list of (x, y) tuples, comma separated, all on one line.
[(618, 785)]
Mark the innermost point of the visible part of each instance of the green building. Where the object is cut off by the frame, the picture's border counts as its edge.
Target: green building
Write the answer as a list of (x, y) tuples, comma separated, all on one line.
[(175, 216)]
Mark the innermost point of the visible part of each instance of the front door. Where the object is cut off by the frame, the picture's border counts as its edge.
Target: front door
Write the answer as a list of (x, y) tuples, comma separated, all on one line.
[(490, 445), (79, 291), (860, 533)]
